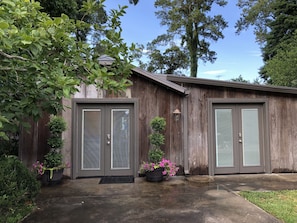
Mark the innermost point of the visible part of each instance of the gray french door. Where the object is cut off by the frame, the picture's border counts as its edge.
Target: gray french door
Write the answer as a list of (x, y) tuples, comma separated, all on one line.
[(238, 136), (105, 140)]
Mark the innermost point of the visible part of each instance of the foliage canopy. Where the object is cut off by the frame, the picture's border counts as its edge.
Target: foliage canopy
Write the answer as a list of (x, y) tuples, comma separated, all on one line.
[(191, 24), (275, 23), (41, 61)]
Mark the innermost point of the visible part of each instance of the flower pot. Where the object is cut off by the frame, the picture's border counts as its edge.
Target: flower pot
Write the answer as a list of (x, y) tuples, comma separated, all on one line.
[(155, 176), (52, 176)]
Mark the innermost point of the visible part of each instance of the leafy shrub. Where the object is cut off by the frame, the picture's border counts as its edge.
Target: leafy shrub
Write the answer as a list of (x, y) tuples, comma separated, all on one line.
[(10, 146), (56, 125), (53, 159), (18, 188), (158, 124), (157, 139), (155, 155)]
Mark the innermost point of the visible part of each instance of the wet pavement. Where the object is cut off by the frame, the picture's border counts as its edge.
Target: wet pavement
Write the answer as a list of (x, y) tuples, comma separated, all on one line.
[(180, 199)]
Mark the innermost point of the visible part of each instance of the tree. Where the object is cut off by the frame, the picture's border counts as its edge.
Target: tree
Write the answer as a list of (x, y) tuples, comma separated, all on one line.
[(274, 23), (74, 10), (257, 14), (282, 26), (281, 69), (191, 23), (168, 62), (41, 61), (240, 79), (134, 2)]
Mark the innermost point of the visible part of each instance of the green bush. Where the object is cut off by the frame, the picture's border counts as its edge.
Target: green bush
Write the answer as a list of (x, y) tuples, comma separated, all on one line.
[(155, 155), (57, 125), (158, 124), (53, 159), (18, 188), (157, 139)]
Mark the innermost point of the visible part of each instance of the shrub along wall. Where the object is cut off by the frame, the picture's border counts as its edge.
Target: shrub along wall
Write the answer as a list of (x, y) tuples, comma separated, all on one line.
[(18, 189)]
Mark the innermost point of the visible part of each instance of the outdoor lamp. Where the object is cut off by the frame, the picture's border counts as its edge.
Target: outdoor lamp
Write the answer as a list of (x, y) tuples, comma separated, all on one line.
[(176, 114)]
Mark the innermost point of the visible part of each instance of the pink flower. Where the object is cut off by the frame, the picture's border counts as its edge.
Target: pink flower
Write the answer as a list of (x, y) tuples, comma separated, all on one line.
[(170, 168), (38, 167)]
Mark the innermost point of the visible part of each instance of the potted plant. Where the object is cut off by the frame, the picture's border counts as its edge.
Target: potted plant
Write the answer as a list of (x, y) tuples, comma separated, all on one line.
[(52, 167), (157, 166)]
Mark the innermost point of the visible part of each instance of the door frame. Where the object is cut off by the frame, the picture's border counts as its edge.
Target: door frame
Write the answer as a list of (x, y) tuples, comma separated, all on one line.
[(76, 102), (238, 101)]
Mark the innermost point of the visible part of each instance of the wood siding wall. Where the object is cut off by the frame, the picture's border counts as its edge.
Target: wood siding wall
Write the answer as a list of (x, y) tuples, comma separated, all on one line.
[(33, 142), (155, 100), (282, 122), (191, 136)]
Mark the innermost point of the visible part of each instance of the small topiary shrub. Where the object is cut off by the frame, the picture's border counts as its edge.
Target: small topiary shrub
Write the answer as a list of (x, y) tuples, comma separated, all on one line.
[(158, 124), (53, 159), (157, 139), (18, 188), (155, 155)]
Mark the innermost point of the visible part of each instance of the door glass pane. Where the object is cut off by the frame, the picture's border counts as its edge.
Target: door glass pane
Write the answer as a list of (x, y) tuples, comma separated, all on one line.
[(224, 138), (91, 135), (250, 140), (120, 139)]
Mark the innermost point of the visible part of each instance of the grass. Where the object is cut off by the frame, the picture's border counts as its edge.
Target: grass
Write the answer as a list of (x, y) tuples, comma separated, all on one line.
[(281, 204)]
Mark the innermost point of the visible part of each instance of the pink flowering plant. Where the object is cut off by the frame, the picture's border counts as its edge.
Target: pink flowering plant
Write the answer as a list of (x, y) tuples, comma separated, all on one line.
[(170, 168), (38, 167), (53, 160), (155, 154)]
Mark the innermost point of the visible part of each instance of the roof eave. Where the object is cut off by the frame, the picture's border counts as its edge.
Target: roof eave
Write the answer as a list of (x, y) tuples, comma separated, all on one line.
[(164, 82), (230, 84)]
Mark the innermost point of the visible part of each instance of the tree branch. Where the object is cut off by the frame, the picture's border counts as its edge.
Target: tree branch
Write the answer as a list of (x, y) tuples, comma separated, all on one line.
[(12, 57)]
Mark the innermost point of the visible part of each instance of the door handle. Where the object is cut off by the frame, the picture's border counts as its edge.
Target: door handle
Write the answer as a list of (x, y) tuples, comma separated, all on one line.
[(108, 139), (239, 135)]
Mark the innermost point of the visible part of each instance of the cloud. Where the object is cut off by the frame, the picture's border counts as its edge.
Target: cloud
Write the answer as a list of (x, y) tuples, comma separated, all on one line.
[(215, 72)]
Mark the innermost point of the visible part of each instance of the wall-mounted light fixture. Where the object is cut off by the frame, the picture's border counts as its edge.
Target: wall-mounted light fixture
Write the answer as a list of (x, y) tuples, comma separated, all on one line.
[(176, 114)]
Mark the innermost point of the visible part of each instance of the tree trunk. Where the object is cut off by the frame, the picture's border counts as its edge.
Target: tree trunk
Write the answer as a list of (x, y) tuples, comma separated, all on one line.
[(194, 64)]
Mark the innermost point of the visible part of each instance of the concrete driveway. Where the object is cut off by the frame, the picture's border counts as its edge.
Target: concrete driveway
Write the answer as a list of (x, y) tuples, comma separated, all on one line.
[(181, 199)]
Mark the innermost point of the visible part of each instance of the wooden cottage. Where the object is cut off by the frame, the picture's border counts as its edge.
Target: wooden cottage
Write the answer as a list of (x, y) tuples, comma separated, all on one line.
[(213, 127)]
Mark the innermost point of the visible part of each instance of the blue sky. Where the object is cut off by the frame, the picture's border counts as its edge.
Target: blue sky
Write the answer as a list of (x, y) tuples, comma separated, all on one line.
[(236, 54)]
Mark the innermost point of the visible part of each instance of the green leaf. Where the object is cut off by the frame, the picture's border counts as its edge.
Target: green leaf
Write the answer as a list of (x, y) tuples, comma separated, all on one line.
[(66, 92), (8, 2), (26, 42), (3, 25)]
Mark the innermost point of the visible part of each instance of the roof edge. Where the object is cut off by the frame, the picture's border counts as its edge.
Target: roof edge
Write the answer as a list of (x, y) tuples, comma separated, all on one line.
[(230, 84), (162, 81)]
